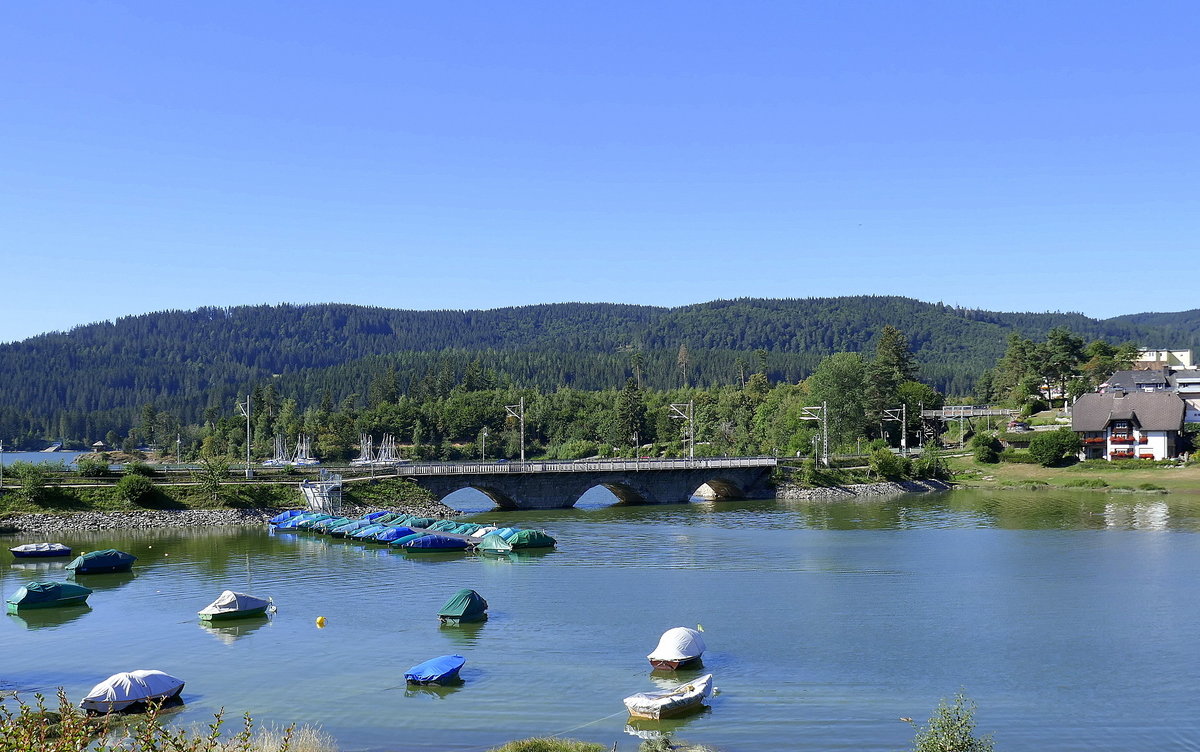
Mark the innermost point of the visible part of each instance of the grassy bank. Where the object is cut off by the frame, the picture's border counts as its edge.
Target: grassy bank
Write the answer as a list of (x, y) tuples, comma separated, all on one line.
[(1100, 476), (70, 499)]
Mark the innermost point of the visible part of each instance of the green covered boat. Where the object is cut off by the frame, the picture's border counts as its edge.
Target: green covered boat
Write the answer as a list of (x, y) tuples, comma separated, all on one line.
[(47, 595), (465, 606), (530, 539)]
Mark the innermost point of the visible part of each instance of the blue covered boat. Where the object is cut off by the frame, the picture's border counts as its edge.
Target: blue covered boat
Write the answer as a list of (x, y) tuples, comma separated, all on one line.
[(435, 544), (39, 550), (392, 533), (444, 668), (372, 516), (283, 516), (101, 562)]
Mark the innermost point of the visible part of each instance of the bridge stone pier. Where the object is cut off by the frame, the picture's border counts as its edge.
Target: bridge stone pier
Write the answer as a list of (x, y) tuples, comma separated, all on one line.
[(558, 485)]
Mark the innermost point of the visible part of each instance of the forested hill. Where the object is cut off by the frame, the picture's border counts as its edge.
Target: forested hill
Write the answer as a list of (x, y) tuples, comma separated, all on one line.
[(188, 360)]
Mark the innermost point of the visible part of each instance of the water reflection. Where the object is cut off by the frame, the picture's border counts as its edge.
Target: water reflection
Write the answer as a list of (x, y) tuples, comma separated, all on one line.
[(230, 632), (645, 728), (1138, 516), (433, 691), (41, 567), (39, 618), (110, 581), (463, 633)]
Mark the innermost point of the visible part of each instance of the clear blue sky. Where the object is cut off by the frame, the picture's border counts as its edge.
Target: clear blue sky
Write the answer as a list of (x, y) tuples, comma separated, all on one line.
[(1004, 155)]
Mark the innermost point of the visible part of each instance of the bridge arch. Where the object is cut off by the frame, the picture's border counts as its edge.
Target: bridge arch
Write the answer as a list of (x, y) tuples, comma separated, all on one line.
[(625, 493), (497, 497), (720, 488)]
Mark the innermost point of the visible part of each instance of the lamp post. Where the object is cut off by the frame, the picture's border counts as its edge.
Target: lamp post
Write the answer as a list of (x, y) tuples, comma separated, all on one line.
[(483, 438)]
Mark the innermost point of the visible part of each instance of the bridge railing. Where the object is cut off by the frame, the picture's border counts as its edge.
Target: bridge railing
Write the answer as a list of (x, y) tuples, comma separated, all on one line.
[(581, 466)]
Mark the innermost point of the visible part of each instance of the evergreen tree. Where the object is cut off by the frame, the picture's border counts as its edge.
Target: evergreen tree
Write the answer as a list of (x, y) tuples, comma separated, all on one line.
[(892, 366)]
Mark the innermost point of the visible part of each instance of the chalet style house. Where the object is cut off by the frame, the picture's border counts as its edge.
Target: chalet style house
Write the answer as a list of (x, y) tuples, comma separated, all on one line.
[(1123, 425)]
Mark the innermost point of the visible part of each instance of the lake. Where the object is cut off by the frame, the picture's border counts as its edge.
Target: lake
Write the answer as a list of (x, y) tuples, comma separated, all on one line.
[(7, 458), (1071, 618)]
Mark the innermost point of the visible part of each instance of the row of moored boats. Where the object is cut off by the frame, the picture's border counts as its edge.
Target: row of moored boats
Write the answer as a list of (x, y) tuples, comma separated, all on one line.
[(413, 533)]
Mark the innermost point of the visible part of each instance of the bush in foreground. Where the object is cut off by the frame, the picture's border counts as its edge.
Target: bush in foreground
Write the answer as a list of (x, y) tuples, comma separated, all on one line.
[(550, 744), (952, 729), (34, 728)]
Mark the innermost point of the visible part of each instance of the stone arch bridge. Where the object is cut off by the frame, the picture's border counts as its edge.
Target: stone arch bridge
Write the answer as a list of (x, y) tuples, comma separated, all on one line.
[(558, 485)]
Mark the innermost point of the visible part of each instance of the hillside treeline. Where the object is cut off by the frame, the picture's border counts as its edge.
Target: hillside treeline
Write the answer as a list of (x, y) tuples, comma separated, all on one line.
[(96, 379)]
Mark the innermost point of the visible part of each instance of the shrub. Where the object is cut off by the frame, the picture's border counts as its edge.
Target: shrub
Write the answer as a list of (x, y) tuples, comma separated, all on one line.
[(1049, 447), (885, 464), (32, 480), (33, 728), (140, 468), (1086, 483), (134, 489), (93, 467), (1017, 458), (550, 744), (952, 729), (930, 465)]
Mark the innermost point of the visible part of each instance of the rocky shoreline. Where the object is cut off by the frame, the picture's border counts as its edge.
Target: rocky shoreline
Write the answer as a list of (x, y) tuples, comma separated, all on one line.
[(853, 491), (141, 519)]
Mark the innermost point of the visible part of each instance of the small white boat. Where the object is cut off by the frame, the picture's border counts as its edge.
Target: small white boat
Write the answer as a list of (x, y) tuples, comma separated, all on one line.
[(119, 691), (233, 605), (670, 702), (679, 647)]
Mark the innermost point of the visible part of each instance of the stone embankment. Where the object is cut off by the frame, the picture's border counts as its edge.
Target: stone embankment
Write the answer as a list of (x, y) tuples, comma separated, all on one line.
[(188, 518), (859, 490)]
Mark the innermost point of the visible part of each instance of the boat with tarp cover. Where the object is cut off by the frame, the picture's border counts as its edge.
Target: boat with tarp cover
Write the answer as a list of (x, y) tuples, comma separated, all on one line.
[(39, 550), (465, 606), (679, 647), (47, 595), (668, 703), (102, 562), (233, 605), (443, 669), (434, 544), (121, 691)]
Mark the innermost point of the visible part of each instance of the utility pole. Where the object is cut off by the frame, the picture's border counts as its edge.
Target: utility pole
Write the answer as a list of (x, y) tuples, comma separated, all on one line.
[(900, 414), (677, 412), (518, 411), (820, 414), (246, 411), (1, 465), (483, 437)]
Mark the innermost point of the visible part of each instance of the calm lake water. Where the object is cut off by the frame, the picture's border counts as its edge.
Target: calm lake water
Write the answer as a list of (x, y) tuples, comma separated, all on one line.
[(1071, 618), (7, 458)]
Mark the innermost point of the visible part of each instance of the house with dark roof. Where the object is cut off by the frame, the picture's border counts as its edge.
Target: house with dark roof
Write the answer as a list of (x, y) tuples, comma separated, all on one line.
[(1124, 425), (1138, 381), (1187, 384)]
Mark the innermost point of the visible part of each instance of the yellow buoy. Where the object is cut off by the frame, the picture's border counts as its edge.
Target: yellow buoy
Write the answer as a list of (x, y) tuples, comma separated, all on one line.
[(320, 622)]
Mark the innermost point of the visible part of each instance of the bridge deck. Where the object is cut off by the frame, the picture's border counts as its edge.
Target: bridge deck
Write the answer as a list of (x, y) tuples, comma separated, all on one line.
[(587, 466)]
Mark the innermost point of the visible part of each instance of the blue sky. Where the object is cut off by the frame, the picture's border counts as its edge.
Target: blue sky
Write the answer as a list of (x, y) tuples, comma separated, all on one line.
[(1012, 156)]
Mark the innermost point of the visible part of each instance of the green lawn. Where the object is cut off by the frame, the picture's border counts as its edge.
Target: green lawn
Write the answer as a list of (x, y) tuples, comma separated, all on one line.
[(1115, 476)]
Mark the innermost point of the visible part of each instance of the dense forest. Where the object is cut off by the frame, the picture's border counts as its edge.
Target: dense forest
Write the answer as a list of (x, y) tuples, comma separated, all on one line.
[(96, 381)]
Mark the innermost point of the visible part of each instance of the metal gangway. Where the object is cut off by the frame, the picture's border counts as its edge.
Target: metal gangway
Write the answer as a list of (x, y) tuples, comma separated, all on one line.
[(324, 494)]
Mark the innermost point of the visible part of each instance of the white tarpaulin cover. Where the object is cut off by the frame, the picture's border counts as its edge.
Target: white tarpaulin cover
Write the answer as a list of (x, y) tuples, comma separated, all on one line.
[(122, 690), (678, 644), (230, 601), (483, 531)]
